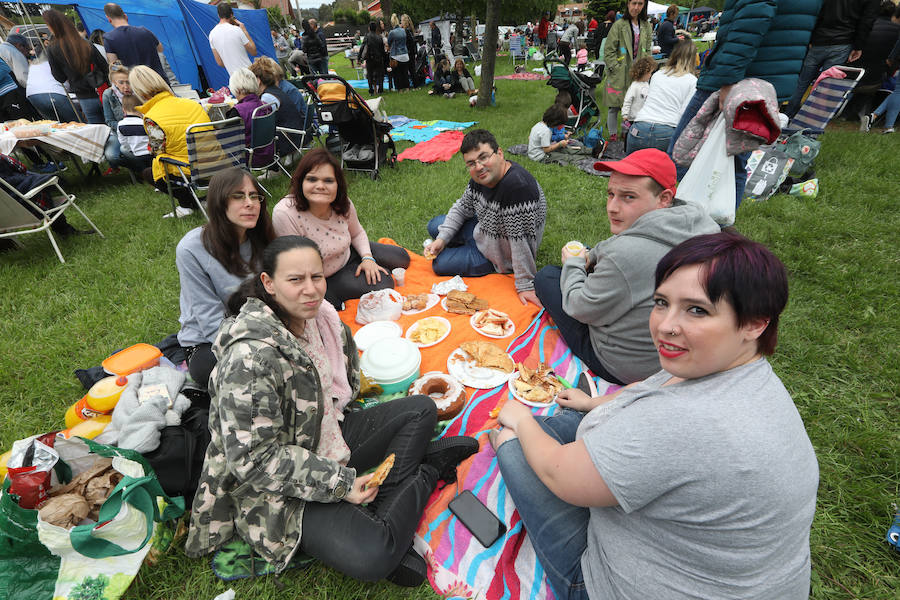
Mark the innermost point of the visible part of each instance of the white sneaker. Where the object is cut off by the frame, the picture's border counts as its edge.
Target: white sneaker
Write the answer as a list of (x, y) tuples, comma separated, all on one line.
[(180, 212), (888, 130)]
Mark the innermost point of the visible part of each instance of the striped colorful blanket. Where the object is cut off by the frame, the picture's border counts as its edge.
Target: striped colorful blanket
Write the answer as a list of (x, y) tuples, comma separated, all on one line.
[(460, 567)]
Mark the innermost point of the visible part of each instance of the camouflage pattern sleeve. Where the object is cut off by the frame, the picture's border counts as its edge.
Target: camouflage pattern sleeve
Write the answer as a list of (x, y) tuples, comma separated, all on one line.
[(252, 410)]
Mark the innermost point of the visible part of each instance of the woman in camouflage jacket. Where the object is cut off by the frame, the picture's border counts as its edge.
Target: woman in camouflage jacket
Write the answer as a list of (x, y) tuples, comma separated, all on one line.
[(281, 470)]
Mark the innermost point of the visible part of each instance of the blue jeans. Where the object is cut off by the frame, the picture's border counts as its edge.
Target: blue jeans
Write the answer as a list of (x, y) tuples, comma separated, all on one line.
[(740, 160), (818, 59), (461, 255), (557, 529), (576, 334), (112, 151), (890, 108), (46, 103), (648, 135), (92, 109)]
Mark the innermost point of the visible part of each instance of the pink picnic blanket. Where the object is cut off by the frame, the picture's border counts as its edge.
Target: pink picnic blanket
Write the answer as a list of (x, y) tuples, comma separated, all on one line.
[(442, 147), (459, 566), (525, 76)]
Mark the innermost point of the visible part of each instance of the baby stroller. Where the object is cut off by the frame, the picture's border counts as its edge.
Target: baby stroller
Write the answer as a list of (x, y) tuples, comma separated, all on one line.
[(363, 143), (423, 68), (581, 86)]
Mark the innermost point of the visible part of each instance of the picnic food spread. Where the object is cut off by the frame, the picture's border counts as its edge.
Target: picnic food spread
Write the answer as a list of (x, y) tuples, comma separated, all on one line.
[(448, 393), (488, 355), (381, 472), (536, 385), (493, 323), (465, 303), (415, 302), (429, 330)]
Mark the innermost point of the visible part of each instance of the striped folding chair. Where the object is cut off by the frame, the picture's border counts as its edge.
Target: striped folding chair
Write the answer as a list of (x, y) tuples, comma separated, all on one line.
[(824, 102), (517, 50), (212, 147)]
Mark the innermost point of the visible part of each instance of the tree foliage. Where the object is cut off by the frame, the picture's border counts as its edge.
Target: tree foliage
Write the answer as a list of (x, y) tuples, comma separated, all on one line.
[(325, 14), (599, 8), (276, 18)]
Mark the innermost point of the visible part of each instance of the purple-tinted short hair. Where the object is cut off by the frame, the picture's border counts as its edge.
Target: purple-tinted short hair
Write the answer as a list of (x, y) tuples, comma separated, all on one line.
[(743, 272)]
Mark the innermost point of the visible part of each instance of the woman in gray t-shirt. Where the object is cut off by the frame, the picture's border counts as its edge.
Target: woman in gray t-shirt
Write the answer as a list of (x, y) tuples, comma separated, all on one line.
[(698, 482)]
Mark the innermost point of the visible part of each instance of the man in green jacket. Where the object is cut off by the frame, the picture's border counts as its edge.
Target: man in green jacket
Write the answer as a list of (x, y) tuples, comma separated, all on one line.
[(756, 38)]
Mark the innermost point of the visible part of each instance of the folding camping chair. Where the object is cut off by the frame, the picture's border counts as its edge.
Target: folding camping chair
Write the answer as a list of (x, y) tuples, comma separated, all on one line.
[(263, 134), (824, 102), (16, 219), (212, 147), (517, 50)]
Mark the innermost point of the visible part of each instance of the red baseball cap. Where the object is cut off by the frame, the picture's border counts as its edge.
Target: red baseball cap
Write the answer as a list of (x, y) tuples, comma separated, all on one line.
[(648, 162)]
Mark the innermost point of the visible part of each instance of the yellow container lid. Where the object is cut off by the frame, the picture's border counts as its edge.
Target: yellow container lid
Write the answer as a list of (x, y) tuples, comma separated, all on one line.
[(132, 359)]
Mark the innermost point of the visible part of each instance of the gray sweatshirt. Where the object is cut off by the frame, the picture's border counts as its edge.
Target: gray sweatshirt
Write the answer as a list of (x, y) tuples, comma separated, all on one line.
[(205, 287), (615, 299), (510, 222)]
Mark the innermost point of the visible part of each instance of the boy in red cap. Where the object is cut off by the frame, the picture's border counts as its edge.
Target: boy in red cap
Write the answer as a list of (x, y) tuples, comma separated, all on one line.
[(601, 300)]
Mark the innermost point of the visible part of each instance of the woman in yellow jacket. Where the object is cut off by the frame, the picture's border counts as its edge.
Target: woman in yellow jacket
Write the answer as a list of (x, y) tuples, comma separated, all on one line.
[(622, 48), (166, 119)]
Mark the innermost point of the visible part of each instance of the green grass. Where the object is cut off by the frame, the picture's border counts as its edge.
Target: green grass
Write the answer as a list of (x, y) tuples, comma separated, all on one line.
[(838, 352)]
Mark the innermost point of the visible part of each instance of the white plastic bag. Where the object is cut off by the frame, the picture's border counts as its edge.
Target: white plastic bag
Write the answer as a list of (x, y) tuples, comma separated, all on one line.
[(477, 70), (709, 181), (380, 305)]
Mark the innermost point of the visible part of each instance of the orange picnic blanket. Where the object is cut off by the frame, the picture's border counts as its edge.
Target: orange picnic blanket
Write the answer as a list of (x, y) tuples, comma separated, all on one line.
[(499, 290)]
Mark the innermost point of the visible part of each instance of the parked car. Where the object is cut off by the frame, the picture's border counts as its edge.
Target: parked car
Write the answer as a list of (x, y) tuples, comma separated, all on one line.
[(32, 32)]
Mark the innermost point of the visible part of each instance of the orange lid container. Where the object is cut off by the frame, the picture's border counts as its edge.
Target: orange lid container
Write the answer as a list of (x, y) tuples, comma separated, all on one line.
[(132, 359)]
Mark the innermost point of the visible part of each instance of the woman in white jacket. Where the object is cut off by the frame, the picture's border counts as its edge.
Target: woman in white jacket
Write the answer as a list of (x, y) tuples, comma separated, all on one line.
[(671, 88)]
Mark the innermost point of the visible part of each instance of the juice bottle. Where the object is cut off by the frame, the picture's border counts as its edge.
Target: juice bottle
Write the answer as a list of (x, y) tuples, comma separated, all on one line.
[(90, 428), (101, 399)]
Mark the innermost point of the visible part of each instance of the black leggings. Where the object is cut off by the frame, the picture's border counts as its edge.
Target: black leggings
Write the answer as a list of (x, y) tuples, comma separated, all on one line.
[(367, 542), (201, 361), (345, 285), (181, 193)]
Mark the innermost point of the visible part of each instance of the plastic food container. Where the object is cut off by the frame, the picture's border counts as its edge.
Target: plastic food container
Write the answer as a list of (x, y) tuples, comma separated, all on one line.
[(132, 359), (393, 363)]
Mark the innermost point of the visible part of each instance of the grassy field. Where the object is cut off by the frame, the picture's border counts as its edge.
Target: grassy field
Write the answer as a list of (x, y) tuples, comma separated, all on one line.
[(838, 352)]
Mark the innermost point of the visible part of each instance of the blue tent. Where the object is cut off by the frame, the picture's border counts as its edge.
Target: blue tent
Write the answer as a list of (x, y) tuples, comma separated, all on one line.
[(182, 26)]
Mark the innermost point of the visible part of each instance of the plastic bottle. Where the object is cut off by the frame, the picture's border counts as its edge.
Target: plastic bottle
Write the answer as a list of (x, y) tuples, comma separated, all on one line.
[(90, 428), (101, 399)]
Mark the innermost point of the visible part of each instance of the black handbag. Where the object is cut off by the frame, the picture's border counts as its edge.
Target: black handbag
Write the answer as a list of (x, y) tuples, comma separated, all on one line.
[(178, 461)]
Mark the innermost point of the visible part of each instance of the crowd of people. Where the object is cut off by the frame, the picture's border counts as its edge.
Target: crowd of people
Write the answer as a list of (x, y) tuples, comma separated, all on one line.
[(616, 500)]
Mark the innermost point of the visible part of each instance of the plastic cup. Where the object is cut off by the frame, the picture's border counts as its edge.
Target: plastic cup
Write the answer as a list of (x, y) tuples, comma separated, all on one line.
[(575, 248), (399, 275)]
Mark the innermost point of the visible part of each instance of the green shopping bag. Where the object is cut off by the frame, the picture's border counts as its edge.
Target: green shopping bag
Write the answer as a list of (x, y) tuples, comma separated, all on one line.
[(87, 561)]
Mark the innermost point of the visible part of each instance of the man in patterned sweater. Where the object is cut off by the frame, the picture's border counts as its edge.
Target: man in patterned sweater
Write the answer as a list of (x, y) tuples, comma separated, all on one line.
[(497, 224)]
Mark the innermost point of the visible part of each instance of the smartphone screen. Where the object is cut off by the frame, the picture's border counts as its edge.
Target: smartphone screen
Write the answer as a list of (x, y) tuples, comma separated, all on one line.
[(476, 517)]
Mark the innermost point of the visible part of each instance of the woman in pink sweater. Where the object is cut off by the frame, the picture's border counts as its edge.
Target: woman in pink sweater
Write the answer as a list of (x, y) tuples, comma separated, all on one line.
[(318, 207)]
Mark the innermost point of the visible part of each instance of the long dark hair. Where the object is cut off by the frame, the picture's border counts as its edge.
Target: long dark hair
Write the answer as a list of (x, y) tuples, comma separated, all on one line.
[(252, 287), (219, 236), (74, 49), (311, 160)]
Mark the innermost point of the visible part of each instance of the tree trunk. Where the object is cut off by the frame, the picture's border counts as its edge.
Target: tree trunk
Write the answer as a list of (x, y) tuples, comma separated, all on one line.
[(386, 7), (489, 52)]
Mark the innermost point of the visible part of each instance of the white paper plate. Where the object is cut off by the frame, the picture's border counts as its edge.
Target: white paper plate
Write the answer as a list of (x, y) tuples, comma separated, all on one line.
[(475, 377), (432, 300), (374, 331), (415, 326), (512, 390), (509, 328)]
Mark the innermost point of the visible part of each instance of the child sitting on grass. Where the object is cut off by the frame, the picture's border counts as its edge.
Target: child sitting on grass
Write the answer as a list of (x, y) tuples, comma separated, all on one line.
[(637, 92), (541, 148), (133, 140)]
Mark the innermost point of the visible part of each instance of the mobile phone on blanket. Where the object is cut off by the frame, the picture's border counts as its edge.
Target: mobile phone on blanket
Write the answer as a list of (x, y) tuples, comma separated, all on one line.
[(476, 517), (584, 384)]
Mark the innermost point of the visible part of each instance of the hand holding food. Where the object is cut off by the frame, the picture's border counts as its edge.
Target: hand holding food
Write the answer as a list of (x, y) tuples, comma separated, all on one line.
[(359, 492), (433, 249), (381, 472)]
